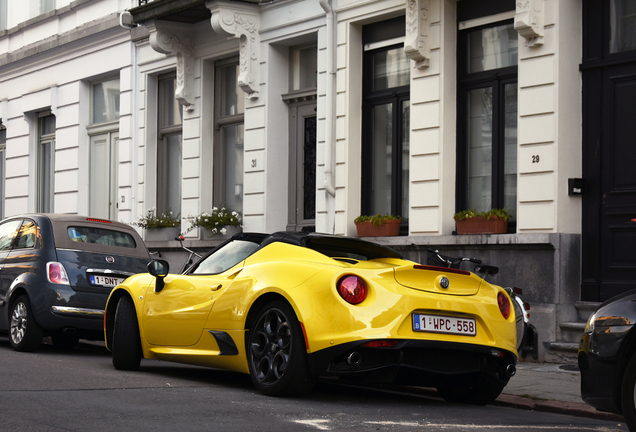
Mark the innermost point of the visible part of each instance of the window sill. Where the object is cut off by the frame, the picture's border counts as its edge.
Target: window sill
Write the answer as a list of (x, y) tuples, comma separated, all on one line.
[(471, 239)]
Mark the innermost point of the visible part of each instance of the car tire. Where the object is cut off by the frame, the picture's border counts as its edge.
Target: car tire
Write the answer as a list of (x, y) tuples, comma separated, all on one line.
[(24, 333), (481, 390), (628, 394), (276, 353), (126, 346)]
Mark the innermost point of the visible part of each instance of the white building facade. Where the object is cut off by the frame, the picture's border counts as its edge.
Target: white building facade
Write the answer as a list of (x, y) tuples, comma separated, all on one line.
[(304, 114)]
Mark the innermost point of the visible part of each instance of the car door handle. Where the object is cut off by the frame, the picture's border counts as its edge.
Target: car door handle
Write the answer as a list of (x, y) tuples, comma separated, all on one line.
[(216, 287)]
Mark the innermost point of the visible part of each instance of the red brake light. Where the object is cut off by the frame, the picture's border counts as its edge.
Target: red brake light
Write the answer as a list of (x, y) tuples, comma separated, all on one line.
[(380, 343), (98, 220), (56, 273), (352, 288), (504, 304)]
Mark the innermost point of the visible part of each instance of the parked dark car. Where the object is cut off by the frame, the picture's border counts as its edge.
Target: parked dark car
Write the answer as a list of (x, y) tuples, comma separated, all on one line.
[(607, 358), (56, 272)]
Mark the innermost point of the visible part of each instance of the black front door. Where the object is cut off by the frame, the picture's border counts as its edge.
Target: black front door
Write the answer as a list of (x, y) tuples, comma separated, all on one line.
[(618, 182), (609, 154)]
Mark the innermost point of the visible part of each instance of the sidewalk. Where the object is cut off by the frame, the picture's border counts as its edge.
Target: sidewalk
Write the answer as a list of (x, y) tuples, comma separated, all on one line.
[(551, 388)]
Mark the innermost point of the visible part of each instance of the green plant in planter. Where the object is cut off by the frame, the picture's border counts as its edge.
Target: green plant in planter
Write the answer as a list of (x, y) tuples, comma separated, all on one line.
[(376, 219), (467, 214), (153, 221), (216, 220)]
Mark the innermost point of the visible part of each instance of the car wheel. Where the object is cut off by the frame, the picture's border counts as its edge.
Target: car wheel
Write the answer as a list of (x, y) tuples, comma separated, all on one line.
[(64, 341), (482, 390), (277, 354), (25, 334), (126, 346), (628, 394)]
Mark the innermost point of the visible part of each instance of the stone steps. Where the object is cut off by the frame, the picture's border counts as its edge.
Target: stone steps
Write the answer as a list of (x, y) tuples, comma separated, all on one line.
[(566, 349)]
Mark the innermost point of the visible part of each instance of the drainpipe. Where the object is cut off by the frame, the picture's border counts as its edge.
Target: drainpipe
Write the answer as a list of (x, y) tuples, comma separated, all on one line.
[(331, 86)]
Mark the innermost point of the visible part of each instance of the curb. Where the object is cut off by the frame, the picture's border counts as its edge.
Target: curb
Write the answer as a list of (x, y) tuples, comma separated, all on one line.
[(558, 407), (518, 402)]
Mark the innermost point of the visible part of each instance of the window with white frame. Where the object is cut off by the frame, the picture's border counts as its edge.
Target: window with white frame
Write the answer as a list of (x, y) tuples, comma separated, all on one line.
[(170, 126), (38, 7), (3, 14), (46, 6), (229, 145), (104, 138), (45, 162), (105, 101)]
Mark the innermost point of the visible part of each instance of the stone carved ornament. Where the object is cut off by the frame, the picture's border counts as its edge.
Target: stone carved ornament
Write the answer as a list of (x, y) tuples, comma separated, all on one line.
[(529, 21), (416, 42), (167, 39), (243, 24)]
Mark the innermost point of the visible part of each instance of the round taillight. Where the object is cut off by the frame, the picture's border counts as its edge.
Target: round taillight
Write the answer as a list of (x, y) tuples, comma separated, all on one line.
[(504, 304), (353, 289), (56, 273)]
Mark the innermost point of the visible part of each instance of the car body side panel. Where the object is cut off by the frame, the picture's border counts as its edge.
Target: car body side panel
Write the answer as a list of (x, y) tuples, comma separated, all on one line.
[(176, 315), (205, 353)]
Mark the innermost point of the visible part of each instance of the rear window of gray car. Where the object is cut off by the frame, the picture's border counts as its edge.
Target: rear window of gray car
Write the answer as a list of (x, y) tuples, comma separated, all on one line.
[(101, 236)]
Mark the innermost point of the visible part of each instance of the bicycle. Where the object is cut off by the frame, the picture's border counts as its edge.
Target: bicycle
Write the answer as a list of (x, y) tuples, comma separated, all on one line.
[(188, 263), (527, 338)]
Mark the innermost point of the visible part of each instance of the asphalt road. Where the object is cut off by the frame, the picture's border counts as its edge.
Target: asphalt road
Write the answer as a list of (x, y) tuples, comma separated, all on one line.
[(79, 390)]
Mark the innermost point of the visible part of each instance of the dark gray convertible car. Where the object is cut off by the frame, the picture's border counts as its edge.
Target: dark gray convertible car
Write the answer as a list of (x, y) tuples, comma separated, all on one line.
[(56, 272)]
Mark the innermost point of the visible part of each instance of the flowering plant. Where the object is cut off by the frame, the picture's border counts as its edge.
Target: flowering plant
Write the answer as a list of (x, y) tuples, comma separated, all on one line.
[(216, 220), (467, 214), (153, 221), (376, 220)]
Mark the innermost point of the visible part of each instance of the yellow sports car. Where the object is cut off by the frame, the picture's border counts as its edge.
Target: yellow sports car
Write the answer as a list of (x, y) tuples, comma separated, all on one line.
[(288, 308)]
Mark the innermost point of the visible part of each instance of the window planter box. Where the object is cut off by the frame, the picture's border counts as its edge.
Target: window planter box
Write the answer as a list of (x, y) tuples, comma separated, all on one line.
[(481, 225), (162, 234), (390, 227)]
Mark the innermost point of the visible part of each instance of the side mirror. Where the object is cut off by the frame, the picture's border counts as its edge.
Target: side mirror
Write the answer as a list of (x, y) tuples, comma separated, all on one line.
[(159, 269)]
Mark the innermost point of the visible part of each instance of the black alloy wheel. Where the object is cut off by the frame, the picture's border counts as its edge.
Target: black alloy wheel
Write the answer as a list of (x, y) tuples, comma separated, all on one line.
[(24, 333), (126, 344), (276, 352)]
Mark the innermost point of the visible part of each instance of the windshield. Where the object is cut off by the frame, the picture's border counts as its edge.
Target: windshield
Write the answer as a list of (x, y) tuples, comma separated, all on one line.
[(226, 257)]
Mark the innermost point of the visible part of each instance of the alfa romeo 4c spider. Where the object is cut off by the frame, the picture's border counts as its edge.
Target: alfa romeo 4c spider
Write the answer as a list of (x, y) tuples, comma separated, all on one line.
[(288, 308)]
